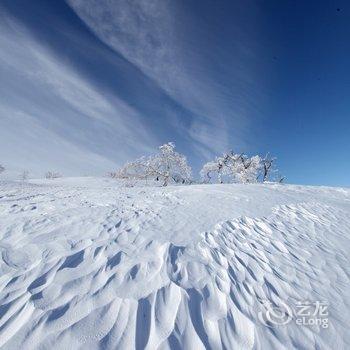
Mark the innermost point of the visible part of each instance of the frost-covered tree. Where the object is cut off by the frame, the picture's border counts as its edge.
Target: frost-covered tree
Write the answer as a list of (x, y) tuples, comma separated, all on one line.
[(136, 170), (238, 168), (166, 166), (267, 167), (24, 175), (170, 165), (213, 169), (246, 170), (231, 166), (2, 169)]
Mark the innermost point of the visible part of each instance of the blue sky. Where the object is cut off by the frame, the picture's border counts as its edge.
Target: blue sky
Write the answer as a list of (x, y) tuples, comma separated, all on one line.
[(89, 84)]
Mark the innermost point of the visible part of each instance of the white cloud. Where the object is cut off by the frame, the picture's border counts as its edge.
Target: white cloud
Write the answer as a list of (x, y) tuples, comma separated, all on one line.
[(27, 145), (145, 33), (52, 117)]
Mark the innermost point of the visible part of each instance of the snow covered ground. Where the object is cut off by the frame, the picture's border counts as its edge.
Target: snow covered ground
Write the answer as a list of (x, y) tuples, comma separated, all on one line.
[(88, 264)]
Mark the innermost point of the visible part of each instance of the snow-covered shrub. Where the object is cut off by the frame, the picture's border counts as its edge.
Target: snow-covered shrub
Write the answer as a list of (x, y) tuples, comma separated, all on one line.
[(166, 166), (2, 169), (52, 175), (279, 178)]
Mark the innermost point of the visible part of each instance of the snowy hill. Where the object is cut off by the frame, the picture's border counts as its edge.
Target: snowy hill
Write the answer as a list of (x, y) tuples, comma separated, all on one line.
[(87, 264)]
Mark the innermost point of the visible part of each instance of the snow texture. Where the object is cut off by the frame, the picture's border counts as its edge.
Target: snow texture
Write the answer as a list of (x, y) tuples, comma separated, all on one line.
[(88, 264)]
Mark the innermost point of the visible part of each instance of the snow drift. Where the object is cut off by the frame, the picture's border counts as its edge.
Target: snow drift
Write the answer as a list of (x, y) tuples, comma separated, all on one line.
[(87, 264)]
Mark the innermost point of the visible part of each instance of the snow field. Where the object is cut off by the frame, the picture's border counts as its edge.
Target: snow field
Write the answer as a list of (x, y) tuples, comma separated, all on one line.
[(87, 264)]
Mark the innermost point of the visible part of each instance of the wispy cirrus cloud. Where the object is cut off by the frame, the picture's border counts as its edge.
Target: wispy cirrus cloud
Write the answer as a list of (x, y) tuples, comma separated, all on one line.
[(52, 117), (165, 74), (160, 38)]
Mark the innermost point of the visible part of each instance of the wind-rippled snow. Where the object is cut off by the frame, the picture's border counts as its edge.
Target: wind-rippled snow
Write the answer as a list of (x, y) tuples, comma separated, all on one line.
[(88, 264)]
